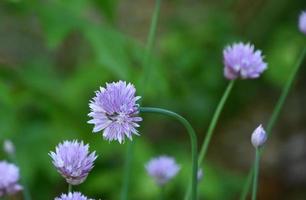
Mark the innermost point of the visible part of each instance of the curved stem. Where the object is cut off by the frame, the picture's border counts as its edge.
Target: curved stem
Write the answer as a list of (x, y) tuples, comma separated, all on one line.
[(193, 140), (211, 128), (214, 121), (277, 109), (256, 173)]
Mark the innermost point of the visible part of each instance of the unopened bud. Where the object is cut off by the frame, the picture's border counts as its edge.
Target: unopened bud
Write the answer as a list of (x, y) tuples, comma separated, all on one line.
[(8, 147), (259, 137)]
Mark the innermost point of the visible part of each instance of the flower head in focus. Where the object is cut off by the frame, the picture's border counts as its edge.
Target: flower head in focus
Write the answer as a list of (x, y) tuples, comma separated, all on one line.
[(302, 22), (162, 169), (242, 60), (73, 161), (115, 111), (259, 137), (9, 177), (72, 196)]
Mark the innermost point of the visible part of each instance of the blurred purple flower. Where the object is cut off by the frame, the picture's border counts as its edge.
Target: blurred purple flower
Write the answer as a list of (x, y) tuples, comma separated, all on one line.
[(259, 137), (9, 177), (162, 169), (72, 196), (115, 111), (241, 60), (9, 147), (73, 161), (302, 22)]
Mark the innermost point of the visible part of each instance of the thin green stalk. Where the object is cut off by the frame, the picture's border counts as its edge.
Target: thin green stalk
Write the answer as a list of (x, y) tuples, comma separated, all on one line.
[(256, 174), (274, 116), (25, 191), (147, 66), (150, 44), (193, 140), (214, 121), (212, 127), (162, 193), (69, 188), (127, 171)]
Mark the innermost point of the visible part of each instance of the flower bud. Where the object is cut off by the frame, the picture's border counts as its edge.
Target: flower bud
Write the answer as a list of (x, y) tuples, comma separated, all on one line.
[(9, 147), (259, 137), (302, 22)]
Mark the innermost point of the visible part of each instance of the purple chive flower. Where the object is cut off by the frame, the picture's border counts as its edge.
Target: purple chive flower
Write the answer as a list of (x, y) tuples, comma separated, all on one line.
[(162, 169), (242, 60), (72, 196), (259, 137), (114, 110), (9, 177), (302, 22), (73, 161)]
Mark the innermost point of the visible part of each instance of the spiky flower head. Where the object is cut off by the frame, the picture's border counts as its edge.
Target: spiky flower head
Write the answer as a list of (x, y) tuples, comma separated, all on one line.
[(73, 161), (302, 22), (72, 196), (242, 60), (162, 169), (259, 137), (9, 177), (115, 111)]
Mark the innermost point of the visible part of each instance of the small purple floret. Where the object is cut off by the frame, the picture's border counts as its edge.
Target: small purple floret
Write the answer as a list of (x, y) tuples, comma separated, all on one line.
[(9, 177), (302, 22), (72, 196), (73, 161), (115, 111), (242, 60), (162, 169)]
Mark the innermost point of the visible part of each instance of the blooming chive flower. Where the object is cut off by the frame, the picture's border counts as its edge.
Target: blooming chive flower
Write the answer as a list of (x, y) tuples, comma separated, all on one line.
[(9, 177), (73, 161), (162, 169), (241, 60), (302, 22), (114, 110), (259, 137), (72, 196)]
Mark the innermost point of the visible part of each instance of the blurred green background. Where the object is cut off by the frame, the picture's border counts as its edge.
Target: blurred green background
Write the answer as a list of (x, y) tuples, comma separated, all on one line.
[(55, 53)]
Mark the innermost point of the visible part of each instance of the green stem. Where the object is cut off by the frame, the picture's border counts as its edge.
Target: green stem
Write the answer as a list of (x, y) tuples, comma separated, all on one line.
[(274, 116), (247, 184), (214, 121), (150, 44), (212, 127), (25, 191), (256, 174), (193, 140), (147, 66), (127, 171), (162, 193), (69, 188)]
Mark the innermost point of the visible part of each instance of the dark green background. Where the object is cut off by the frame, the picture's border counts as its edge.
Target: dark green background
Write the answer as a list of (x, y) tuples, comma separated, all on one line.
[(55, 53)]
